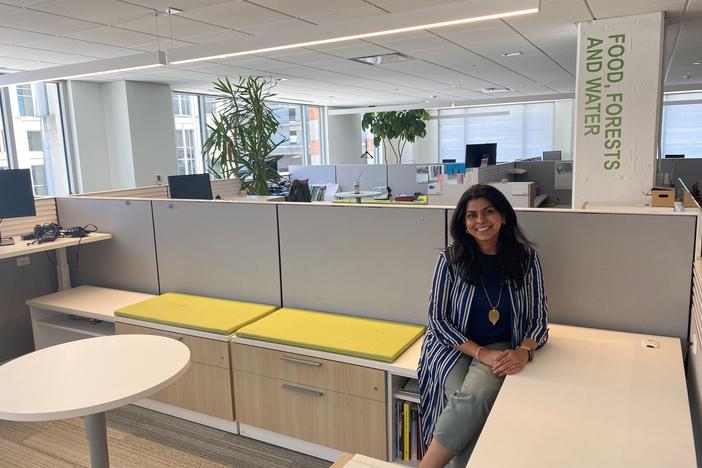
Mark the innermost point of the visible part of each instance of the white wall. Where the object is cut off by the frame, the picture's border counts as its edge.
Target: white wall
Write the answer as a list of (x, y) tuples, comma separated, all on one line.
[(152, 131), (426, 150), (345, 139), (123, 133), (89, 136)]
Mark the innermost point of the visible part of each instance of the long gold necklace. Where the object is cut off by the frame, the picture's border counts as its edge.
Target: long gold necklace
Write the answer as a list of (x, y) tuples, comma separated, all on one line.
[(493, 313)]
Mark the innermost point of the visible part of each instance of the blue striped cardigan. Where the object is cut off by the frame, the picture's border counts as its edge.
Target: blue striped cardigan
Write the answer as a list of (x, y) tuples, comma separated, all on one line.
[(449, 307)]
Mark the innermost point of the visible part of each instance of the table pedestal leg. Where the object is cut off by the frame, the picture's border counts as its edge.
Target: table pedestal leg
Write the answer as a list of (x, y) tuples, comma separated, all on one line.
[(64, 274), (96, 432)]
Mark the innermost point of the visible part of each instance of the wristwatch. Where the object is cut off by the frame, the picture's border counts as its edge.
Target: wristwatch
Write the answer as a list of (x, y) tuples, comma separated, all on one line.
[(529, 350)]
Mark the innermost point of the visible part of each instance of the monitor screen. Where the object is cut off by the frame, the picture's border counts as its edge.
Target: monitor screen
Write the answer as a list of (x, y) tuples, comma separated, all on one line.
[(477, 152), (16, 194), (194, 187)]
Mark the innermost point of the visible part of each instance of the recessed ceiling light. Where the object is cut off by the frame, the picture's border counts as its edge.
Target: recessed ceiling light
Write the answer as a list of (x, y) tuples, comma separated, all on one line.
[(383, 59), (687, 76), (697, 63), (433, 96), (427, 101), (172, 11), (283, 79), (494, 90), (512, 54), (457, 85)]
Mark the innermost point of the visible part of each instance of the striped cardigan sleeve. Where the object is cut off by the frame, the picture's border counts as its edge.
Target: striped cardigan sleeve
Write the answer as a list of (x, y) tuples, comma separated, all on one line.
[(537, 304), (439, 324)]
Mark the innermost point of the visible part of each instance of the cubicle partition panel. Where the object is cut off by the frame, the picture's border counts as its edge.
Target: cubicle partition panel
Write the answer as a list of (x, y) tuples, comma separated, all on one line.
[(369, 176), (543, 173), (402, 179), (227, 189), (689, 170), (46, 213), (152, 191), (219, 249), (319, 175), (626, 272), (370, 261), (128, 260)]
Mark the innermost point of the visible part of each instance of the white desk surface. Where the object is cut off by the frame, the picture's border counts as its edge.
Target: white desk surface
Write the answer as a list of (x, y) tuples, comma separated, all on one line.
[(89, 376), (362, 461), (88, 301), (20, 247), (592, 398)]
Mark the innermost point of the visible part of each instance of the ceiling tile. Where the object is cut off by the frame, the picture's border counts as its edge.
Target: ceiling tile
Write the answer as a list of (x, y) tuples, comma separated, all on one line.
[(172, 26), (114, 36), (100, 11), (235, 14), (20, 37), (313, 7), (43, 22), (74, 46), (219, 34)]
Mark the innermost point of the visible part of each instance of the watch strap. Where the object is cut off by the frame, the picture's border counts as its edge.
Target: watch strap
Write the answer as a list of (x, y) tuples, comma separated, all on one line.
[(529, 351)]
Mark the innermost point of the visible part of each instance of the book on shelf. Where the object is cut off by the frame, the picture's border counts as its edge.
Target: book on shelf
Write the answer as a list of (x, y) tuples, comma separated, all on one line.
[(408, 439), (406, 431)]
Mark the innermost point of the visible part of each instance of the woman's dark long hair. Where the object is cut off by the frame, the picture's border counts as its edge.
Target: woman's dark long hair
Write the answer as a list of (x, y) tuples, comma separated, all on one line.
[(513, 248)]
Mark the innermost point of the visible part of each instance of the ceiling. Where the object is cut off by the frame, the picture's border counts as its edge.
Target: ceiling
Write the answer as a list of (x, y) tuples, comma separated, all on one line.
[(452, 64)]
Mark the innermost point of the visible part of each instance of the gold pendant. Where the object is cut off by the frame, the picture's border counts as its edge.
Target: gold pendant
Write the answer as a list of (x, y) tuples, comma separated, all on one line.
[(494, 315)]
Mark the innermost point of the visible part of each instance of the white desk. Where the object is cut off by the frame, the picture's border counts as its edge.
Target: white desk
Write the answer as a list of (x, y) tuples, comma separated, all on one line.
[(357, 196), (592, 398), (87, 378), (23, 247)]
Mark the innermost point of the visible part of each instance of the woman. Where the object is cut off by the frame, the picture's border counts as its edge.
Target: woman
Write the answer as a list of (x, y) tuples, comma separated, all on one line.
[(487, 315)]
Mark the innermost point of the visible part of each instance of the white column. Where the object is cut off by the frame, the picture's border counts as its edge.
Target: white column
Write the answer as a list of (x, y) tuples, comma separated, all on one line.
[(618, 104)]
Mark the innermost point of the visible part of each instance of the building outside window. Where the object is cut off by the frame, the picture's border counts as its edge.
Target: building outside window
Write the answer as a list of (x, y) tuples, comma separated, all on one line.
[(186, 113), (36, 124), (521, 130), (290, 131), (4, 157), (682, 125)]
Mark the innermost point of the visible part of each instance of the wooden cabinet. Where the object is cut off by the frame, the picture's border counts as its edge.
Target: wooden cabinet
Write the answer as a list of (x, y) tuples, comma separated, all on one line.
[(206, 387), (334, 404)]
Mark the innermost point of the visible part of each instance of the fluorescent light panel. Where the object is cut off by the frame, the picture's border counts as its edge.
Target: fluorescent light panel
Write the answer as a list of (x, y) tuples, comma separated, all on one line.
[(97, 67)]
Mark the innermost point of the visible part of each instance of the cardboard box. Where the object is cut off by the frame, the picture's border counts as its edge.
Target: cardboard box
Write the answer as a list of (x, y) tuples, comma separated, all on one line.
[(663, 196)]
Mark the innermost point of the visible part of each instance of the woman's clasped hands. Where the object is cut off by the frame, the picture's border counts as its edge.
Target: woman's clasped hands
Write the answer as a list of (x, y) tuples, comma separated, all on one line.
[(507, 362)]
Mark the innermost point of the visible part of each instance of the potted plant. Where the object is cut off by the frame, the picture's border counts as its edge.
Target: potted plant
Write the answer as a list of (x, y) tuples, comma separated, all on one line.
[(241, 135), (404, 126)]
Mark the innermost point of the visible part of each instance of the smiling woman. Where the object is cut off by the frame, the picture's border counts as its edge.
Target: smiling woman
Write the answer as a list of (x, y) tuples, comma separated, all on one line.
[(487, 316)]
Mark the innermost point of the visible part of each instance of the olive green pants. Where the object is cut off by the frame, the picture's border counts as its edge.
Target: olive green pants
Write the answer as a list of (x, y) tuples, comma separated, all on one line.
[(471, 389)]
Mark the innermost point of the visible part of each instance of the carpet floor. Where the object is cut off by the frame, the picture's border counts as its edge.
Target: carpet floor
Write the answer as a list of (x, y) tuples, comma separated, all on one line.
[(139, 438)]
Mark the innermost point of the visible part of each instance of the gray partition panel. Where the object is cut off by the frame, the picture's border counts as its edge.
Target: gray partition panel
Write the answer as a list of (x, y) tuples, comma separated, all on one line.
[(128, 260), (402, 179), (543, 174), (371, 176), (616, 271), (319, 175), (218, 249), (367, 261)]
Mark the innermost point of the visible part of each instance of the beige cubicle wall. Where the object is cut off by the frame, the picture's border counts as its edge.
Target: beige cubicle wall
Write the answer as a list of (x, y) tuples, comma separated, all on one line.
[(218, 249), (374, 261), (628, 272), (128, 260), (45, 213)]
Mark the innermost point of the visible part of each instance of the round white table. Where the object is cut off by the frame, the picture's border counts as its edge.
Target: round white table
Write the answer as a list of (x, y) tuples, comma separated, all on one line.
[(88, 377), (357, 196)]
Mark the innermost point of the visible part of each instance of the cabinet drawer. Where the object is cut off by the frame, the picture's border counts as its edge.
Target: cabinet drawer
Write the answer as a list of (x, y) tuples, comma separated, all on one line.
[(202, 350), (343, 422), (304, 370), (205, 389)]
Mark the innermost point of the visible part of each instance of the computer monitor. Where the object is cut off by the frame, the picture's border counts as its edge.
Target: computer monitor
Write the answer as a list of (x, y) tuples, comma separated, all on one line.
[(674, 156), (551, 155), (16, 197), (476, 152), (194, 187), (448, 161)]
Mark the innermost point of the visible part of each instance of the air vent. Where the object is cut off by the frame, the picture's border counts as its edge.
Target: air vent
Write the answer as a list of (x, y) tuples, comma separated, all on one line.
[(383, 59)]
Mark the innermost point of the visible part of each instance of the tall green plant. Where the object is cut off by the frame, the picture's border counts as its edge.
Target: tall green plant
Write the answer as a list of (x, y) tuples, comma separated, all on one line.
[(241, 135), (403, 127)]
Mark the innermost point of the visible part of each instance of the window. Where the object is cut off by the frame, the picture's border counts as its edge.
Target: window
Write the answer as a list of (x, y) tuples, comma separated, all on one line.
[(25, 101), (682, 125), (182, 104), (186, 111), (4, 157), (301, 131), (186, 151), (368, 145), (520, 130), (37, 125), (34, 140)]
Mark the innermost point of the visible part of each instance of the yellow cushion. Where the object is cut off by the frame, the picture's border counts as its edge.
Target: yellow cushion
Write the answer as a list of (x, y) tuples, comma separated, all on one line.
[(368, 338), (199, 313)]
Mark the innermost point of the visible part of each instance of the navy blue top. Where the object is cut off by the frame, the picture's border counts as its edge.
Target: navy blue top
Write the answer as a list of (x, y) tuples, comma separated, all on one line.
[(480, 329)]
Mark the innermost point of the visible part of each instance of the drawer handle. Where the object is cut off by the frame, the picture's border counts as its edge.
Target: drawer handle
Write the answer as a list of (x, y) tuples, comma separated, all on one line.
[(300, 361), (306, 391)]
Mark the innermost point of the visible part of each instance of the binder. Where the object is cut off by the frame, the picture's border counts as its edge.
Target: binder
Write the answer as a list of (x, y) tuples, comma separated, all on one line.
[(405, 431)]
